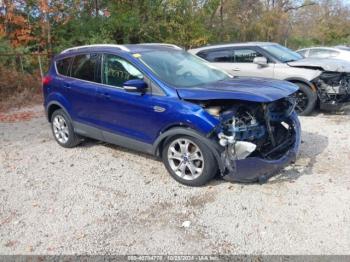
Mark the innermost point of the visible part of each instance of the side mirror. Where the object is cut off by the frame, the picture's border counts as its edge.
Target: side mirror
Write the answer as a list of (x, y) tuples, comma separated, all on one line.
[(135, 85), (261, 61)]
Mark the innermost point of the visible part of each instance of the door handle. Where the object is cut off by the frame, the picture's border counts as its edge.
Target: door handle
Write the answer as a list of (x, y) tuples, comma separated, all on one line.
[(236, 69), (105, 95), (67, 86)]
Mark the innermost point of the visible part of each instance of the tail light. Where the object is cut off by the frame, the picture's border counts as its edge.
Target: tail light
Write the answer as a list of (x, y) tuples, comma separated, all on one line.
[(46, 80)]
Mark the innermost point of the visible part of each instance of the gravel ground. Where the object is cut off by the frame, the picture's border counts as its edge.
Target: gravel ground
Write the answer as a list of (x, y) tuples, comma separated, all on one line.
[(103, 199)]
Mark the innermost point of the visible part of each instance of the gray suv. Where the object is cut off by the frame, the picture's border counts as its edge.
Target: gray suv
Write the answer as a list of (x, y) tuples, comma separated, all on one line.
[(321, 81)]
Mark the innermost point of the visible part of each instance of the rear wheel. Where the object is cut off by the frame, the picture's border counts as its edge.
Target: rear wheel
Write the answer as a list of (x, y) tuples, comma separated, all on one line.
[(62, 129), (189, 161), (306, 100)]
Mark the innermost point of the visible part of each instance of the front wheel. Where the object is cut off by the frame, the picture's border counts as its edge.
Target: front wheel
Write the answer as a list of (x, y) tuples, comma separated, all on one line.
[(189, 161), (306, 100)]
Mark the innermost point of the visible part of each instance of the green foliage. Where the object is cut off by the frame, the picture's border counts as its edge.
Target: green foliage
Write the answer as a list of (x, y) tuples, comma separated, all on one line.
[(177, 21), (81, 31), (57, 24), (5, 46), (299, 42)]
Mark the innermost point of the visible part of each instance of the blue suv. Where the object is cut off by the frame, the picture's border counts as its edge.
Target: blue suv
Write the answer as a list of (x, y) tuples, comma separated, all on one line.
[(159, 99)]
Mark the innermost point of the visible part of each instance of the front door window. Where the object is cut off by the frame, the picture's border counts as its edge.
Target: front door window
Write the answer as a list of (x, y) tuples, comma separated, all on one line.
[(117, 71), (245, 55)]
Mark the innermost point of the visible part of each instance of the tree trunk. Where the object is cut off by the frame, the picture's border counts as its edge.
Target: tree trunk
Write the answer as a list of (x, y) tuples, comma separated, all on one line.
[(96, 7), (221, 20), (6, 22)]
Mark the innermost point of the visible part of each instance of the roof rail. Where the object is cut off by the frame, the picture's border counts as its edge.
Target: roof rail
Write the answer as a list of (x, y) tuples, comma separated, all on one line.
[(121, 47), (164, 44)]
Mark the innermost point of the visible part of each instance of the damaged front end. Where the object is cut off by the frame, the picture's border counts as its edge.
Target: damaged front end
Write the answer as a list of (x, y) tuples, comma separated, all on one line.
[(257, 139), (333, 90), (332, 82)]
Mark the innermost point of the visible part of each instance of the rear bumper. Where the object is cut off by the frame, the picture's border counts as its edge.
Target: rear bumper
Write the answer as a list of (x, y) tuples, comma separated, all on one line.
[(254, 169)]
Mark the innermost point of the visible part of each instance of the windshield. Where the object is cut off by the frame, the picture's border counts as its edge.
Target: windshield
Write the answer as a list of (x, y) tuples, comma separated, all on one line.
[(181, 69), (283, 54)]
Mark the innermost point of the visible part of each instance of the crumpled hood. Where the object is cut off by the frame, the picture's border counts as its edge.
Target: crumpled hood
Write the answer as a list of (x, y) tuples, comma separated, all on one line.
[(241, 88), (327, 64)]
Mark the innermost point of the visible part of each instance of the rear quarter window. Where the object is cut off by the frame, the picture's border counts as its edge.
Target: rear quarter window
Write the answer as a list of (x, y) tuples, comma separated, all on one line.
[(63, 66)]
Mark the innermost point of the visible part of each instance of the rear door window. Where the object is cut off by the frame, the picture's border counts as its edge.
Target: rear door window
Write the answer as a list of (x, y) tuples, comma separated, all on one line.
[(63, 66), (86, 67), (218, 56)]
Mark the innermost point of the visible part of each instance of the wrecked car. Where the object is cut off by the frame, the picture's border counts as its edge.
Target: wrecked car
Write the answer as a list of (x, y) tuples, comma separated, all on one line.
[(161, 100), (332, 83), (323, 82)]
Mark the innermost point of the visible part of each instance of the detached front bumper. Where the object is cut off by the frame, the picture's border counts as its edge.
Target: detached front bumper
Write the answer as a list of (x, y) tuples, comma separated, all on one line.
[(253, 169)]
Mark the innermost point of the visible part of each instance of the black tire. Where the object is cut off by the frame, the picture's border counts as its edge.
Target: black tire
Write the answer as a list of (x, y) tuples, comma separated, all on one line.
[(306, 99), (209, 168), (72, 138)]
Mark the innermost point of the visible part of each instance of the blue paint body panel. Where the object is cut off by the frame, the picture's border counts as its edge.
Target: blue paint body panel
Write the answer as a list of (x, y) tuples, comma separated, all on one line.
[(133, 115), (248, 89)]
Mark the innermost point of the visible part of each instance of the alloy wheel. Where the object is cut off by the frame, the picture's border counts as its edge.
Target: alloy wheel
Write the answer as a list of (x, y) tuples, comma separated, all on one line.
[(185, 159), (60, 129)]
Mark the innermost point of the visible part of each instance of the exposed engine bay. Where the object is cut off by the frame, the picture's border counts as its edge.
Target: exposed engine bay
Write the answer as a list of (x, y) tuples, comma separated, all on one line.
[(333, 87), (252, 129)]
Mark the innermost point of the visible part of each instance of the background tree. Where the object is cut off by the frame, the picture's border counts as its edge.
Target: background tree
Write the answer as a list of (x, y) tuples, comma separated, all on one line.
[(51, 25)]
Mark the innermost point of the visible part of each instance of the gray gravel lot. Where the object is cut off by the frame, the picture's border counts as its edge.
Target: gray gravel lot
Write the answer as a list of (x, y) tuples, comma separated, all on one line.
[(102, 199)]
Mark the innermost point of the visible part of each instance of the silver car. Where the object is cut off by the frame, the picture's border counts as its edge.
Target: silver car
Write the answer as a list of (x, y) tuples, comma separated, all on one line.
[(321, 81), (338, 52)]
